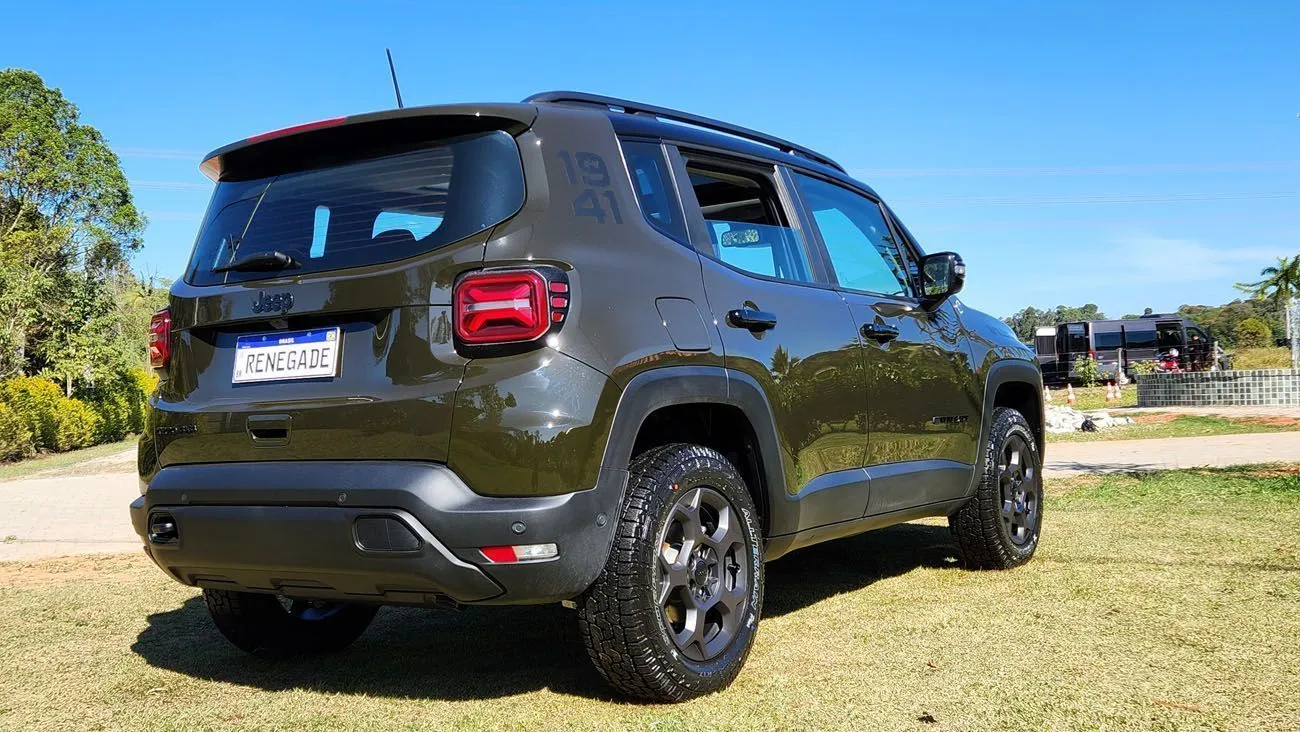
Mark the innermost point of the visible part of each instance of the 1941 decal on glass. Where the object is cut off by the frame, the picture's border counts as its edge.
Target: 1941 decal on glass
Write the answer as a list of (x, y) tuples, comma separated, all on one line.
[(589, 169)]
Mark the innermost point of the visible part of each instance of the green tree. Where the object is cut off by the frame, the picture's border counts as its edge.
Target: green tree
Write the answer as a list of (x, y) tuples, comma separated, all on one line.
[(1068, 314), (68, 227), (1278, 283), (1253, 333), (1026, 321), (1221, 321)]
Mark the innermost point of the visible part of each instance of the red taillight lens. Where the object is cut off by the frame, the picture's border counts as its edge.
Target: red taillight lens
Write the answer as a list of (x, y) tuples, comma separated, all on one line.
[(509, 306), (160, 339)]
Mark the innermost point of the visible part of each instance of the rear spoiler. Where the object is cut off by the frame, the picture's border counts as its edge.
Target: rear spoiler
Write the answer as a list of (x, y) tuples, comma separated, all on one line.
[(347, 137)]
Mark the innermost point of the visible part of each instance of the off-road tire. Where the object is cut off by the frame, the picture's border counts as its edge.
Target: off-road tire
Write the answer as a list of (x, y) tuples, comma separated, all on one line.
[(261, 625), (623, 625), (979, 527)]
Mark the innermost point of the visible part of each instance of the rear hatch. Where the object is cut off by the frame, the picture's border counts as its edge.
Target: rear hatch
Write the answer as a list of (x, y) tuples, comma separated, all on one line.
[(313, 319)]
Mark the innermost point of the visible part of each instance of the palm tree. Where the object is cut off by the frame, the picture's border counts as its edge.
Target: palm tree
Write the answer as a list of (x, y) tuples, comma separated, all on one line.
[(1281, 284)]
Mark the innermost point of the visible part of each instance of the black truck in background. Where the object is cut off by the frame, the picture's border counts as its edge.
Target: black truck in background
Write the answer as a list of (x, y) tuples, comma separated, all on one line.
[(1119, 344)]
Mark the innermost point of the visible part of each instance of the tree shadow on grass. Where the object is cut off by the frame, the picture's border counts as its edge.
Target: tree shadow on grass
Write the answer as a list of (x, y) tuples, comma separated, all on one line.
[(492, 652)]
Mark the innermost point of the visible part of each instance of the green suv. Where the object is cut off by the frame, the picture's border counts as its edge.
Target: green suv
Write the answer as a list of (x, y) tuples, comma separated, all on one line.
[(578, 350)]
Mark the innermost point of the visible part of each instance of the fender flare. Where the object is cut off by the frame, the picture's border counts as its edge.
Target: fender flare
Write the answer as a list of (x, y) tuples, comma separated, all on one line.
[(1000, 374), (671, 386)]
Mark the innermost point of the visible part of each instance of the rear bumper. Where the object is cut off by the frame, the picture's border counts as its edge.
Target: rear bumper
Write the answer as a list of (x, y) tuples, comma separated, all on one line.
[(291, 527)]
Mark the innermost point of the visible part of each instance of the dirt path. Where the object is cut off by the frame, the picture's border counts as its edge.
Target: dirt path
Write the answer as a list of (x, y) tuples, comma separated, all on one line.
[(79, 509), (1115, 456)]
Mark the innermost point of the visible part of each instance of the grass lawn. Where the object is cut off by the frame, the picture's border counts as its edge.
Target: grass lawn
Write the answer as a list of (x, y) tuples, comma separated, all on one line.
[(1164, 602), (1094, 397), (60, 460), (1150, 426)]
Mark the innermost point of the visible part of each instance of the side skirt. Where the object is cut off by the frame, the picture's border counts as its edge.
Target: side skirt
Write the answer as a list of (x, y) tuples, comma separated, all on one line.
[(779, 546)]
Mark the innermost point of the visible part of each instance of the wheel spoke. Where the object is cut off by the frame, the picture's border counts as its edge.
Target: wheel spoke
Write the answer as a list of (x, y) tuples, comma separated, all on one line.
[(687, 514), (692, 631), (733, 598), (728, 533), (674, 578)]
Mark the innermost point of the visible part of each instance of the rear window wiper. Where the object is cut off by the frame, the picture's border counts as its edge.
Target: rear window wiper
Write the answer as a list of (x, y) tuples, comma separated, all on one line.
[(260, 262)]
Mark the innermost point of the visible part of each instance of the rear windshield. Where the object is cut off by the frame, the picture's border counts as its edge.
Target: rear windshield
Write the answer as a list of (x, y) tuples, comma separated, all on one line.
[(366, 212)]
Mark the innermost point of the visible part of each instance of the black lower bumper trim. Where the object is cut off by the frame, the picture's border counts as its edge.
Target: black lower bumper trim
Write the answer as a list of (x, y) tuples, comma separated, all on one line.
[(291, 528)]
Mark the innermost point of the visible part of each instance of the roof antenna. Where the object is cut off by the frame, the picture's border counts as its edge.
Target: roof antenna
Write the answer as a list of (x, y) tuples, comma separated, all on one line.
[(393, 70)]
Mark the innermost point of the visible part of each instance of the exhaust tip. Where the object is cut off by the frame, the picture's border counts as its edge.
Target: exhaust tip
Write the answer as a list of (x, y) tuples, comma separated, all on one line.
[(162, 529), (384, 534)]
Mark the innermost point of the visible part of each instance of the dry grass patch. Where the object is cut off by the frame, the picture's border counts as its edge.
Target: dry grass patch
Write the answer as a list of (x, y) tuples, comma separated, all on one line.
[(1169, 601)]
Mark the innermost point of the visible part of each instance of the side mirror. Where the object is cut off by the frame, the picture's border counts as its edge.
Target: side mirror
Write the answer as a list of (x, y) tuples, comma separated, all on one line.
[(942, 276)]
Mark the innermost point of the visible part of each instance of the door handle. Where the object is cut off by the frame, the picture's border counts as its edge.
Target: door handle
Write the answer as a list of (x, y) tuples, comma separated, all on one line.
[(879, 332), (754, 321)]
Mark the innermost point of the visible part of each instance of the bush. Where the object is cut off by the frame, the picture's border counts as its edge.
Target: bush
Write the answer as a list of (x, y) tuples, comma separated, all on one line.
[(1088, 371), (37, 416), (120, 402), (15, 438), (36, 402), (1252, 333), (1138, 368), (77, 425), (1261, 358)]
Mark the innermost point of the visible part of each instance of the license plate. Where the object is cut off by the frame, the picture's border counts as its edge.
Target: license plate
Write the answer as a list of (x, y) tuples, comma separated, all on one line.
[(304, 354)]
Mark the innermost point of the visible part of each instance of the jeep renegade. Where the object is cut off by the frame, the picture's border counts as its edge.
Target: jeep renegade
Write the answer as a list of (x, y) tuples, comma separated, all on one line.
[(577, 349)]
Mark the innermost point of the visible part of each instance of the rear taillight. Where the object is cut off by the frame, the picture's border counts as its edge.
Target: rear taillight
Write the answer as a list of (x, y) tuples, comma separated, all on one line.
[(507, 306), (160, 339)]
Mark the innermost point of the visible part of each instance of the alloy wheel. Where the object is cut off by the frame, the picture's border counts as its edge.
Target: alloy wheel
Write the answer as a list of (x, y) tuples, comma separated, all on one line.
[(703, 572), (1021, 490)]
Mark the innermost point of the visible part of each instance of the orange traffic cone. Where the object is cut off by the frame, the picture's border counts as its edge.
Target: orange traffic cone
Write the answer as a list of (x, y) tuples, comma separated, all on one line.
[(1110, 392), (1118, 393), (1069, 394), (1047, 395)]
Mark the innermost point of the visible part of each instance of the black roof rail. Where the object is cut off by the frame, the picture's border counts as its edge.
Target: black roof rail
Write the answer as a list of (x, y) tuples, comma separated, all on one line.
[(631, 107)]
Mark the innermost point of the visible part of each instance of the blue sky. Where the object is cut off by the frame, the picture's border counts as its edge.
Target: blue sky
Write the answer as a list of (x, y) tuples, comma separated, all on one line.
[(1129, 154)]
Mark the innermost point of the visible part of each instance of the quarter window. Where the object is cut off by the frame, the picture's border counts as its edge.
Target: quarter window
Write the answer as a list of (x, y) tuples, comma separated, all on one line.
[(859, 242), (744, 219), (654, 192)]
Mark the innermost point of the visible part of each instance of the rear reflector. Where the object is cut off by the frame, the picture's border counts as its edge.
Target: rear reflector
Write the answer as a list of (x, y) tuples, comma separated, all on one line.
[(519, 553), (506, 306), (298, 128), (160, 340)]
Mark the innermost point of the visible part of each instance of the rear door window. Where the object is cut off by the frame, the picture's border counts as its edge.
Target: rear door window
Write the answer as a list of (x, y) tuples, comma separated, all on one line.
[(746, 223), (370, 211)]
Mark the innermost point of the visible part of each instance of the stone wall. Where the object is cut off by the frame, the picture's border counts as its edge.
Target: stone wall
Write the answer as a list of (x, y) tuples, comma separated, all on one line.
[(1210, 388)]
